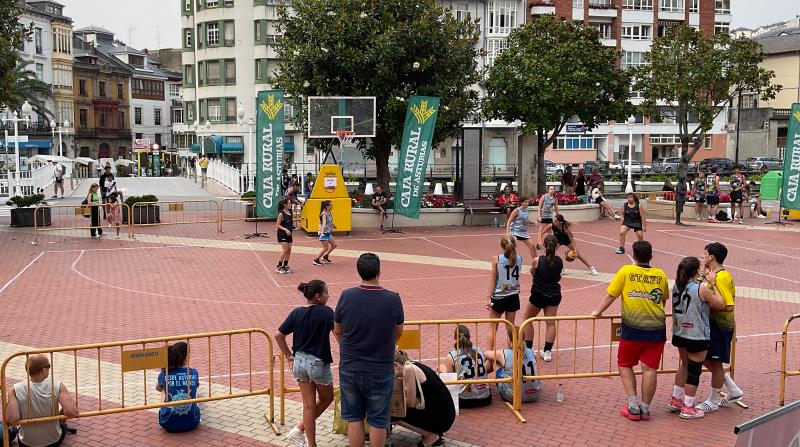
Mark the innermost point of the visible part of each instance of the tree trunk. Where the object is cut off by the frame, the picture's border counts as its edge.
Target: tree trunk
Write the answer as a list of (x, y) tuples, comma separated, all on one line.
[(528, 166), (541, 172), (382, 167)]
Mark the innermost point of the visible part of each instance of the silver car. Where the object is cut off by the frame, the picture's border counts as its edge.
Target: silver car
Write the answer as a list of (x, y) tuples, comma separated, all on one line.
[(670, 165), (636, 166), (553, 168), (764, 164)]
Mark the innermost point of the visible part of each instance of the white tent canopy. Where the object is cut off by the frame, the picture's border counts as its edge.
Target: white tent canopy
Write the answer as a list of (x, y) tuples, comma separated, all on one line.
[(124, 162), (84, 160), (48, 158)]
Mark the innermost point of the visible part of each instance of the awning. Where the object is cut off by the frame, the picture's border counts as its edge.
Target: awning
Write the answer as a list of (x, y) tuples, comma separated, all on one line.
[(31, 144), (212, 144), (288, 147), (232, 148)]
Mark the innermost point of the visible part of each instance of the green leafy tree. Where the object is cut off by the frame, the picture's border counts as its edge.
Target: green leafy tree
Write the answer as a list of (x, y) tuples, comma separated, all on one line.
[(27, 87), (384, 48), (12, 35), (553, 70), (695, 76)]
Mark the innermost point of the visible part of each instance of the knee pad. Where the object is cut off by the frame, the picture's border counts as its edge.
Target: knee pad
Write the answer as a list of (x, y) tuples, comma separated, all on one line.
[(694, 371)]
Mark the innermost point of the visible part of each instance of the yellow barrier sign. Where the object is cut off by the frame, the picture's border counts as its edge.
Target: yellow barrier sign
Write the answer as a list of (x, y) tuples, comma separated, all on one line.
[(148, 358)]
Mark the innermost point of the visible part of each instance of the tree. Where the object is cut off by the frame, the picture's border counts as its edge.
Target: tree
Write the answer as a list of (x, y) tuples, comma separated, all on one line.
[(551, 71), (27, 87), (12, 35), (384, 48), (695, 76)]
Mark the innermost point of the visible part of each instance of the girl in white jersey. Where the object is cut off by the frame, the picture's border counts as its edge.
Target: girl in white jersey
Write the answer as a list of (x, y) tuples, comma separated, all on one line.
[(470, 363), (517, 226), (504, 286)]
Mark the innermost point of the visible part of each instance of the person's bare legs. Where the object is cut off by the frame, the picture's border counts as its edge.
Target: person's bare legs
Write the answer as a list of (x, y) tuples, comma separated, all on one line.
[(550, 326), (530, 312), (623, 231), (377, 436), (355, 434), (331, 246), (628, 381), (531, 246), (649, 381), (325, 393), (493, 329), (428, 438), (324, 250), (639, 235)]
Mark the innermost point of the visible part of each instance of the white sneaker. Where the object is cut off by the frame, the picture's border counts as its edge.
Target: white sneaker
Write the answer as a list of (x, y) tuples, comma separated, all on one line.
[(593, 271), (761, 216), (547, 356), (296, 437)]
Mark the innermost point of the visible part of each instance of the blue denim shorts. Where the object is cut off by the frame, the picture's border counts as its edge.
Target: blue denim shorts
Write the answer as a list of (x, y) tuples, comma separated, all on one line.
[(325, 236), (366, 395), (308, 368)]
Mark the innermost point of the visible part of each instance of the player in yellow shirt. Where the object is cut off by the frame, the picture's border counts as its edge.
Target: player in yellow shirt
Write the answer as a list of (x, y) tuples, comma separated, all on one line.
[(722, 324), (644, 291)]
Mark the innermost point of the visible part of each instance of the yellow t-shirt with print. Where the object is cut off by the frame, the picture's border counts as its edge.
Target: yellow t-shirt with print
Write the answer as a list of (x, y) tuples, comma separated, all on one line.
[(204, 162), (727, 289), (644, 292)]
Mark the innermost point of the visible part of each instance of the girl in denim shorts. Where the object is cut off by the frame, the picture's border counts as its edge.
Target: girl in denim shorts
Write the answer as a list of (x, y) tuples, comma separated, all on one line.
[(310, 357)]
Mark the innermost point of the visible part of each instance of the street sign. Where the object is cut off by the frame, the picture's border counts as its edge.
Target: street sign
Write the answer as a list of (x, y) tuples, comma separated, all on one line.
[(141, 143), (21, 139)]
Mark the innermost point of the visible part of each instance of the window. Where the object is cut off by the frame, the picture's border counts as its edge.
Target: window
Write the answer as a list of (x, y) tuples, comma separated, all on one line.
[(228, 28), (604, 29), (672, 5), (188, 75), (665, 25), (190, 111), (157, 139), (121, 120), (212, 72), (136, 60), (721, 27), (230, 71), (82, 87), (137, 115), (230, 109), (694, 6), (212, 3), (637, 32), (62, 76), (260, 30), (723, 6), (494, 47), (101, 89), (600, 3), (37, 40), (120, 90), (40, 72), (577, 4), (749, 101), (633, 59), (83, 118), (580, 142), (175, 90), (177, 116), (187, 38), (646, 5), (187, 7), (229, 3), (502, 17), (214, 111), (461, 11), (261, 70), (212, 34), (288, 111), (157, 117), (139, 135)]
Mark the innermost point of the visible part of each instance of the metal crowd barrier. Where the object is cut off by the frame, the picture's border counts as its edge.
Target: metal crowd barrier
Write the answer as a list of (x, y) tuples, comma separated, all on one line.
[(145, 214), (65, 363), (73, 217), (657, 204), (236, 209), (785, 372)]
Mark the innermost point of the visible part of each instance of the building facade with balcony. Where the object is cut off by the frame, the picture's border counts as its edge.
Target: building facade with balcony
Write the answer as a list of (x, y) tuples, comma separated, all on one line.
[(630, 26), (102, 114)]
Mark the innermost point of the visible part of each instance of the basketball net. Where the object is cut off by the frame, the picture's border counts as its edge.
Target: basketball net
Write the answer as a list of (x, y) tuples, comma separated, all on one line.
[(345, 137)]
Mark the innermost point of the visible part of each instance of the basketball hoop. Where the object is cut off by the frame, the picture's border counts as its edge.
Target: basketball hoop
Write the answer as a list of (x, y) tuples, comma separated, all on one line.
[(345, 137)]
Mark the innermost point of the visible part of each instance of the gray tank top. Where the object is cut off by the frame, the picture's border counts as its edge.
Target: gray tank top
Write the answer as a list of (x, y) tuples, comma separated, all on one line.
[(42, 405), (690, 313), (531, 389), (547, 206), (519, 226), (328, 228), (465, 366), (507, 277)]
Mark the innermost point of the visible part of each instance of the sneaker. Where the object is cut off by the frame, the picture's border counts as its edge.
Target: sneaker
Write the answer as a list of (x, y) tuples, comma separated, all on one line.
[(633, 414), (691, 413), (287, 270), (316, 262), (675, 404), (699, 218), (741, 221), (708, 406), (116, 237), (547, 356), (761, 216), (326, 260), (381, 227), (593, 271), (616, 216), (620, 251), (645, 414), (296, 437)]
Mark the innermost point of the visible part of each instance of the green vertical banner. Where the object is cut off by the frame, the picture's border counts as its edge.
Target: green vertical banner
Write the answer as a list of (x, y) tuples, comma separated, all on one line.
[(270, 127), (790, 195), (415, 148)]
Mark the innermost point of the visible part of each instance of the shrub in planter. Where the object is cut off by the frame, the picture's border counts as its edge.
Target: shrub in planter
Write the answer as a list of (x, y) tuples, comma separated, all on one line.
[(23, 212), (250, 210), (142, 214)]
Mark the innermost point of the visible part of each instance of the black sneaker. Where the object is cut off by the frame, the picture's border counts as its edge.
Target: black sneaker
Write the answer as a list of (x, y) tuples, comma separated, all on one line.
[(620, 251), (316, 262), (326, 260)]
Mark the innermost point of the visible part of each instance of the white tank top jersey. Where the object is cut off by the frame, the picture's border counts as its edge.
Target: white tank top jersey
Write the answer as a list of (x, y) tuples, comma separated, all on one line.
[(44, 433), (507, 277), (465, 366), (519, 226)]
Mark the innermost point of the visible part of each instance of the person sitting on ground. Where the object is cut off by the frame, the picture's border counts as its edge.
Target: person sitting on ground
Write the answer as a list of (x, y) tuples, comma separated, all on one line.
[(503, 361), (424, 389), (379, 200), (175, 384), (470, 363), (606, 210), (508, 201), (754, 200), (34, 398)]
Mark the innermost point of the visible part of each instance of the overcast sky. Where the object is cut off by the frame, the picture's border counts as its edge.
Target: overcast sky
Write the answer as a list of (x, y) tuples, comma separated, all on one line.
[(156, 23)]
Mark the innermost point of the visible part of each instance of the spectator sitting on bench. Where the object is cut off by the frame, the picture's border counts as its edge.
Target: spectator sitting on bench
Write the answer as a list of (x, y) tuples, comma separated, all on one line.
[(379, 200), (507, 201)]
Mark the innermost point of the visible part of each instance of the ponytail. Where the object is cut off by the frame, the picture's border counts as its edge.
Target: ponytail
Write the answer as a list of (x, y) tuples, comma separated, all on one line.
[(550, 246), (509, 249), (463, 341), (311, 289), (564, 224), (687, 269)]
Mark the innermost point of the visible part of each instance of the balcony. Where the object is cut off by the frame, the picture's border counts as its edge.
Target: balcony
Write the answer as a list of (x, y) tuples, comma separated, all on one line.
[(83, 132), (541, 7), (602, 4)]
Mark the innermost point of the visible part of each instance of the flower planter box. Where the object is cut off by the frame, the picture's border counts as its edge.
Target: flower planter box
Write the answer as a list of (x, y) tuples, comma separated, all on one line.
[(648, 186), (612, 187), (142, 214), (23, 217)]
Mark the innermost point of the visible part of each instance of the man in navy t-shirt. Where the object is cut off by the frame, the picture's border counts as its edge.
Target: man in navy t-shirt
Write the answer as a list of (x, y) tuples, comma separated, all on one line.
[(368, 322)]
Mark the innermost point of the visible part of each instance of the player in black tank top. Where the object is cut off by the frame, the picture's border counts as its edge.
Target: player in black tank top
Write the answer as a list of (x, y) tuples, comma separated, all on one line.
[(284, 233), (634, 218), (563, 234)]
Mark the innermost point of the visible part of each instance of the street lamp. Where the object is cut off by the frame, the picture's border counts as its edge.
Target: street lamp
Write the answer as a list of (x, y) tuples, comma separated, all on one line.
[(250, 123), (631, 121), (64, 129), (26, 112)]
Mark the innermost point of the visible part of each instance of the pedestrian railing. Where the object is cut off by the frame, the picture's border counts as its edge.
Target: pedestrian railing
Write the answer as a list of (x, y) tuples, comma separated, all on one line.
[(660, 203), (236, 210), (786, 372), (226, 175), (75, 218), (122, 388), (146, 214)]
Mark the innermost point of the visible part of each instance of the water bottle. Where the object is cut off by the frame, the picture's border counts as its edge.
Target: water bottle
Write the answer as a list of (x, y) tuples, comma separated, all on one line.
[(494, 221), (560, 393)]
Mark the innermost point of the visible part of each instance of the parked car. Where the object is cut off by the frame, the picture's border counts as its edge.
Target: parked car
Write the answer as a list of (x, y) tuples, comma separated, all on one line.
[(553, 168), (636, 166), (764, 164), (723, 165), (669, 165)]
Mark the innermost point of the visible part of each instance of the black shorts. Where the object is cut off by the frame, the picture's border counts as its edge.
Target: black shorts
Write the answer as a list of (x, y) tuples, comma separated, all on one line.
[(283, 237), (506, 304), (632, 226), (599, 200), (699, 199), (542, 300), (547, 220), (736, 197), (59, 180), (720, 348), (521, 238), (691, 346), (712, 200)]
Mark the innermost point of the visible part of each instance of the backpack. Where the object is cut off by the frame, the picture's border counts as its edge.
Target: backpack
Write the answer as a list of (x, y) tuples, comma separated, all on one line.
[(722, 215)]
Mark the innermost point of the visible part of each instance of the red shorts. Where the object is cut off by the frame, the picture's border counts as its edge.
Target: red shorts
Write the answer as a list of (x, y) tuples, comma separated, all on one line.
[(630, 353)]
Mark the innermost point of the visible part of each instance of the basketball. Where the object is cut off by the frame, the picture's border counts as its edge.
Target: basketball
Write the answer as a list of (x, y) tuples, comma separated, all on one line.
[(570, 255)]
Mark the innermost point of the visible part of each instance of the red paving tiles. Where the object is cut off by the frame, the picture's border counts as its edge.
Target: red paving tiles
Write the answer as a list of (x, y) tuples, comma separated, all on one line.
[(115, 290)]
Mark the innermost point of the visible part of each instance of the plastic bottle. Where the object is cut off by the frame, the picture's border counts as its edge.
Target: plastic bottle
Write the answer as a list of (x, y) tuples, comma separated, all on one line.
[(560, 393), (494, 221)]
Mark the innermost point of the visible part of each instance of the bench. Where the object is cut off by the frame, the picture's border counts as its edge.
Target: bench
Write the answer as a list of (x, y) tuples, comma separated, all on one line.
[(479, 206)]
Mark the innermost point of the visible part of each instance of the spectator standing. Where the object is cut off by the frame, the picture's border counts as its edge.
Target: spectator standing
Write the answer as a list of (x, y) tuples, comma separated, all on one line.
[(368, 322), (308, 184), (58, 179), (178, 383), (379, 200), (699, 193), (203, 162), (644, 291), (285, 181), (568, 181), (285, 226), (580, 184), (36, 398), (114, 213), (680, 198), (310, 357), (93, 201), (712, 195), (738, 185), (99, 168), (107, 184)]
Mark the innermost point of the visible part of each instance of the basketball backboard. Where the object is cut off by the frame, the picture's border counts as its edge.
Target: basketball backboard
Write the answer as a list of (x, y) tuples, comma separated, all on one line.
[(328, 114)]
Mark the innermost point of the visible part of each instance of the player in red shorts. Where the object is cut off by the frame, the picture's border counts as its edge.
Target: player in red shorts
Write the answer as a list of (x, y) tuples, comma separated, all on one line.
[(644, 292)]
